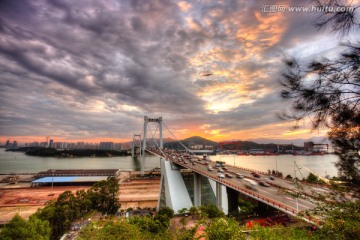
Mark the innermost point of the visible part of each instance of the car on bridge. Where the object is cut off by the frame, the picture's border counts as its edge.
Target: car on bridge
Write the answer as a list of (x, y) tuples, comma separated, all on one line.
[(255, 174), (238, 175), (228, 175), (250, 184), (210, 168), (220, 175), (264, 184), (220, 170)]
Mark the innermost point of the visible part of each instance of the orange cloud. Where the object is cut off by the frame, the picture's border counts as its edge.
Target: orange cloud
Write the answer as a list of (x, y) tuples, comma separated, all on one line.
[(184, 6)]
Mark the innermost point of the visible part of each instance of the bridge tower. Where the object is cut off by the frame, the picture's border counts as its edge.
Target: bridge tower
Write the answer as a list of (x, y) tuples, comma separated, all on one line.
[(136, 138), (143, 147)]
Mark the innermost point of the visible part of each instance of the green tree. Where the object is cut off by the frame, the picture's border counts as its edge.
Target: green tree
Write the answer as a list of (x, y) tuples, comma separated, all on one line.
[(211, 211), (148, 224), (193, 211), (224, 229), (166, 211), (328, 91), (104, 195), (182, 211), (341, 222), (282, 233), (312, 178), (110, 230), (33, 229), (246, 208)]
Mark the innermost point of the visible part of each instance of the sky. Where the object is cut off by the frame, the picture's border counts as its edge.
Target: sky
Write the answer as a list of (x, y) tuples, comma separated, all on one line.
[(91, 70)]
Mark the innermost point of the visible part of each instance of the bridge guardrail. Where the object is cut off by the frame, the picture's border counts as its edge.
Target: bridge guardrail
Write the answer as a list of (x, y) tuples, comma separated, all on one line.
[(246, 191), (258, 196)]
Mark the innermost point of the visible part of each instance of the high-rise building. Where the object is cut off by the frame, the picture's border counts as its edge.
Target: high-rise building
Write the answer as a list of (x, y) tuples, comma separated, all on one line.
[(117, 146), (106, 146), (80, 145), (51, 144)]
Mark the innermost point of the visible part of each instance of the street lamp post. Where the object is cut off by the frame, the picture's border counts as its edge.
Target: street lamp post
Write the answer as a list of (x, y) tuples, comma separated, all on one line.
[(52, 182), (296, 185)]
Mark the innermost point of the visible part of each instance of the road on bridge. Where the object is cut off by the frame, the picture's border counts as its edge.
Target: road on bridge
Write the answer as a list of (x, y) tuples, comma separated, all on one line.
[(277, 192)]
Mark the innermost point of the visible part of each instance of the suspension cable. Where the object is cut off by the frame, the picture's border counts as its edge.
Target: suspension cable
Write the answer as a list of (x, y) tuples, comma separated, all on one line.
[(156, 142), (178, 140)]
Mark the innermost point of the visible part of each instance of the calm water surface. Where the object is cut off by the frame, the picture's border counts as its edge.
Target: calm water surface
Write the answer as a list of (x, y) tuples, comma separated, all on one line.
[(16, 162)]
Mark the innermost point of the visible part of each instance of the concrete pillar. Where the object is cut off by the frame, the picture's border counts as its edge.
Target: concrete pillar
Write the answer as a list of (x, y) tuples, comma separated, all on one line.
[(143, 147), (233, 199), (219, 196), (197, 190), (161, 133), (133, 149)]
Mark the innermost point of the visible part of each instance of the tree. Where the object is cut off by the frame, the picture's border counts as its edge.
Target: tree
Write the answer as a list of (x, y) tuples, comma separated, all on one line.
[(166, 211), (103, 195), (312, 178), (18, 228), (224, 229), (110, 230), (183, 211), (341, 222), (211, 211), (328, 92), (193, 211)]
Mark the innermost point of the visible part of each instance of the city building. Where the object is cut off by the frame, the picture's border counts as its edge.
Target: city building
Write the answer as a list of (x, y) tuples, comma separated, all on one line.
[(106, 146)]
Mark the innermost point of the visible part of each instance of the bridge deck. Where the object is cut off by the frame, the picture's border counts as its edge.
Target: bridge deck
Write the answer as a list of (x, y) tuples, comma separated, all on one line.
[(280, 193)]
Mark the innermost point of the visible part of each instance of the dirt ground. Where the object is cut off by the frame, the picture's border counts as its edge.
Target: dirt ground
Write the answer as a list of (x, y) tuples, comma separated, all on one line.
[(139, 193), (23, 199)]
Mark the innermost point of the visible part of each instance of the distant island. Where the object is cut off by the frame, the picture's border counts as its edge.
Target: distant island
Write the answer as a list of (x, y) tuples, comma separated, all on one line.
[(197, 142), (52, 152)]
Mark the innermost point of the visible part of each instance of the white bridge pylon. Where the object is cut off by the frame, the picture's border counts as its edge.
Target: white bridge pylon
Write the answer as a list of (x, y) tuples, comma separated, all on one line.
[(173, 191), (148, 120), (136, 138)]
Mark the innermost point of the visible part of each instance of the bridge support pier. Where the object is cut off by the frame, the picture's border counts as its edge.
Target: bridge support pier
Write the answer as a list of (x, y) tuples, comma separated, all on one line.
[(233, 197), (197, 190), (219, 196), (136, 137)]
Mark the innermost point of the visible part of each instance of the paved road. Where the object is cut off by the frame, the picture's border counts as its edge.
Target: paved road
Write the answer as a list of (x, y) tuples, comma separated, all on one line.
[(280, 193)]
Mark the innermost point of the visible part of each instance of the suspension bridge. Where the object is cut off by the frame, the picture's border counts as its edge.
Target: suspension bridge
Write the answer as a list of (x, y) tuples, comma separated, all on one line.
[(190, 180)]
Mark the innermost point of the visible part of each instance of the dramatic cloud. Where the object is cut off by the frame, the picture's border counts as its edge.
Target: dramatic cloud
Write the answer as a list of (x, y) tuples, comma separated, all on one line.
[(92, 69)]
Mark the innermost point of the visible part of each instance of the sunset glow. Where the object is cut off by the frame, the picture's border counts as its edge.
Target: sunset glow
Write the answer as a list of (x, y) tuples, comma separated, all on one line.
[(91, 70)]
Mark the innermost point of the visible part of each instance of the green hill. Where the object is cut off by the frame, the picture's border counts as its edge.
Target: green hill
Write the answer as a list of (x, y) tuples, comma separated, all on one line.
[(190, 142)]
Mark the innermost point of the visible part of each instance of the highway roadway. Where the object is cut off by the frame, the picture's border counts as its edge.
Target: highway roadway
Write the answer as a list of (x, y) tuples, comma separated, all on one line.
[(279, 193)]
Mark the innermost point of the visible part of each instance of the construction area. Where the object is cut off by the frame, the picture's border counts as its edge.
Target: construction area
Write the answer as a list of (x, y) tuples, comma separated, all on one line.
[(27, 194)]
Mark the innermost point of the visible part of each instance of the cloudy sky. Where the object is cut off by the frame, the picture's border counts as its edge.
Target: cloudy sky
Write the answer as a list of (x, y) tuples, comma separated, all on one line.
[(90, 70)]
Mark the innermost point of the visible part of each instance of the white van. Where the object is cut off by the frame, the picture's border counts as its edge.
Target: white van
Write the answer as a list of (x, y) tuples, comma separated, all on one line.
[(250, 184)]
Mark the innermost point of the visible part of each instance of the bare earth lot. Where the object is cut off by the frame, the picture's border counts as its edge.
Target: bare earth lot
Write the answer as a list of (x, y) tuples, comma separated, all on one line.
[(25, 200)]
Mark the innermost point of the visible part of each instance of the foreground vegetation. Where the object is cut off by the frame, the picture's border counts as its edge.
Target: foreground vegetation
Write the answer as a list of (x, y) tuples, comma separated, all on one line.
[(55, 218), (342, 222)]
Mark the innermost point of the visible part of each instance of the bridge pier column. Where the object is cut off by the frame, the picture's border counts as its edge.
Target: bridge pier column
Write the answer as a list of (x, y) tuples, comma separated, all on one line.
[(197, 190), (219, 196), (233, 197), (143, 147)]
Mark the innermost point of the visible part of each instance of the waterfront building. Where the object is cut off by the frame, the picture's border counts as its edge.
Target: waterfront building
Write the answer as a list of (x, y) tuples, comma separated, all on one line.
[(117, 146), (106, 146), (51, 144)]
